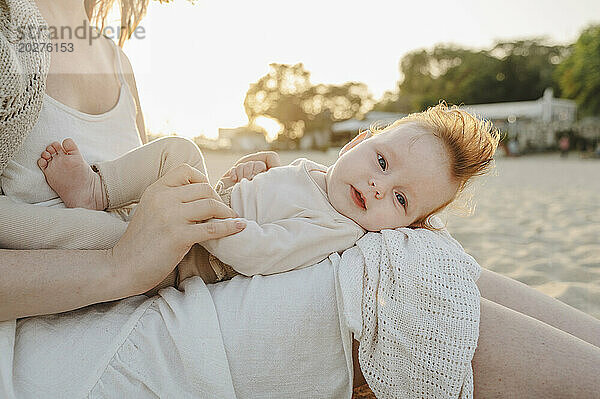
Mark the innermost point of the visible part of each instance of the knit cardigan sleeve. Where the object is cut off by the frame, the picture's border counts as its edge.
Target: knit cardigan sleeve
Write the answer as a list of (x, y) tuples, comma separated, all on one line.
[(26, 226), (23, 77)]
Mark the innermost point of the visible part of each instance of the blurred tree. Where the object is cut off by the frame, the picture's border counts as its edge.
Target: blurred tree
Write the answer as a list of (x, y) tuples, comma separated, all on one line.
[(528, 68), (286, 94), (325, 104), (510, 71), (279, 95), (461, 76), (391, 101), (579, 74)]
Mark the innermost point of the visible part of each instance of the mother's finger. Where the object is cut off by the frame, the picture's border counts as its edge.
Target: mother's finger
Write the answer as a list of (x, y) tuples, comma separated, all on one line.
[(204, 209), (195, 191), (215, 229), (183, 174)]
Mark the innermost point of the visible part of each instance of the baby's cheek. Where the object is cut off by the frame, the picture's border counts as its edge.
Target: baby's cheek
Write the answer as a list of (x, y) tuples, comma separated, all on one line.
[(375, 222), (386, 221)]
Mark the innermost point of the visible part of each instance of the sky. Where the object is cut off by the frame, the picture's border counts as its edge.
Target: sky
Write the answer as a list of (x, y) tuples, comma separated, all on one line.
[(194, 62)]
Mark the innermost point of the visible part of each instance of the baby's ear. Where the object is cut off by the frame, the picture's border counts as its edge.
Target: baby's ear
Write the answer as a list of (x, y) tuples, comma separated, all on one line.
[(362, 136)]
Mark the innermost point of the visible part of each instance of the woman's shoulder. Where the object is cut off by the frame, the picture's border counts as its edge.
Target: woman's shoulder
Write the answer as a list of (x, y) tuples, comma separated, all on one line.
[(129, 78), (125, 63)]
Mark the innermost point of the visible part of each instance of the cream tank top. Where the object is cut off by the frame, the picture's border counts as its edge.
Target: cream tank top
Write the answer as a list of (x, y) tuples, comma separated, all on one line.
[(100, 137)]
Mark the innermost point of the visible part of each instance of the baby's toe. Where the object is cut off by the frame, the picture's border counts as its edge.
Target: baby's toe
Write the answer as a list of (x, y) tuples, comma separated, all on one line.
[(51, 150), (42, 163), (69, 146), (57, 148), (46, 155)]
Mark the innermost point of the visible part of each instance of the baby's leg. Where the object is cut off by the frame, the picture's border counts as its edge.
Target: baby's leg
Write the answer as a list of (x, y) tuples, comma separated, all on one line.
[(194, 263), (126, 178), (71, 177)]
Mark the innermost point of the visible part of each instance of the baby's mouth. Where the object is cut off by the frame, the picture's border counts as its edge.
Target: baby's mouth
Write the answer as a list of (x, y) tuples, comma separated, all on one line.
[(357, 198)]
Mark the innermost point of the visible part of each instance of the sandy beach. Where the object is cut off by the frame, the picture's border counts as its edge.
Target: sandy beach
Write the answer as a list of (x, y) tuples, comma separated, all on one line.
[(537, 220)]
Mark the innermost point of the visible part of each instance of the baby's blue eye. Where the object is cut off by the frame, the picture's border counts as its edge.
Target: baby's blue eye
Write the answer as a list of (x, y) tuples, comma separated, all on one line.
[(401, 199), (382, 162)]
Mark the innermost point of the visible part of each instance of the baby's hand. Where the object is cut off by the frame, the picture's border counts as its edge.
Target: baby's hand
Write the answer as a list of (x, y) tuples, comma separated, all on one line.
[(245, 170)]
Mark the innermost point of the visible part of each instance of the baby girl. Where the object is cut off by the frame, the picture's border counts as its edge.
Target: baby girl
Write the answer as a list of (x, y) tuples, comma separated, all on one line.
[(296, 215)]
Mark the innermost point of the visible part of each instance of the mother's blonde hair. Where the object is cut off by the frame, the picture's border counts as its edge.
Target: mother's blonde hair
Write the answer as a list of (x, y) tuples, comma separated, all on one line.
[(132, 12)]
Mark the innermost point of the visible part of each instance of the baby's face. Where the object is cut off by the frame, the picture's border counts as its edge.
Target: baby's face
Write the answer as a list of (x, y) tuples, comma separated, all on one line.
[(392, 179)]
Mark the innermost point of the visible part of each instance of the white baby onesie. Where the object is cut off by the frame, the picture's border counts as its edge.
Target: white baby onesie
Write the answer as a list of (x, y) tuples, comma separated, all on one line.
[(290, 223)]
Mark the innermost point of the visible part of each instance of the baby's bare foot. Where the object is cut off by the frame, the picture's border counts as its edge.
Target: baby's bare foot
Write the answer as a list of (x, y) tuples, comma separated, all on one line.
[(71, 177)]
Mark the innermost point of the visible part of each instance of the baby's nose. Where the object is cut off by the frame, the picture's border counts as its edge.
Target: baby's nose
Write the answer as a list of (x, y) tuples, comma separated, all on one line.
[(378, 192)]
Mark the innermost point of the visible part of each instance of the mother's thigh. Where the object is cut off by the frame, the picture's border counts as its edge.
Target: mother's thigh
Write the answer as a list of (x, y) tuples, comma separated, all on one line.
[(519, 356), (527, 300)]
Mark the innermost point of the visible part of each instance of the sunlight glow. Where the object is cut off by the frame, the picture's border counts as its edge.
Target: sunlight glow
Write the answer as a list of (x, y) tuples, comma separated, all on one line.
[(271, 126), (196, 61)]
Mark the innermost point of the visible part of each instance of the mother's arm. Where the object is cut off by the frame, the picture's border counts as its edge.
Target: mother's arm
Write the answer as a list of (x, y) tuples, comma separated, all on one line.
[(163, 228)]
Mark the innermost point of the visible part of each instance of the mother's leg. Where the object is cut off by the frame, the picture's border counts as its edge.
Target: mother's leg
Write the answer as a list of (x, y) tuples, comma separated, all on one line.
[(520, 357), (522, 298)]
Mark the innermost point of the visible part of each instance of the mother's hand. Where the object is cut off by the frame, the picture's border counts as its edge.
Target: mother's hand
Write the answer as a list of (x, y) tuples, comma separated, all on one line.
[(171, 216)]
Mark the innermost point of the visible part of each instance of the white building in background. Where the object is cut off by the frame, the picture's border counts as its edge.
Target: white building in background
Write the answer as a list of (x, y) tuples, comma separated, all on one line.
[(546, 109), (533, 123), (371, 118), (243, 139)]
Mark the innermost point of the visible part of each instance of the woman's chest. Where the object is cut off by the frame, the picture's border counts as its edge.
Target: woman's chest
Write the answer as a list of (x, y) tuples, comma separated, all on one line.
[(73, 89), (99, 137), (83, 71)]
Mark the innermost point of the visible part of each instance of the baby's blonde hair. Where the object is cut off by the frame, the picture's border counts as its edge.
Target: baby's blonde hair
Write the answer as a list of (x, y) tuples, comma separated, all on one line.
[(470, 142)]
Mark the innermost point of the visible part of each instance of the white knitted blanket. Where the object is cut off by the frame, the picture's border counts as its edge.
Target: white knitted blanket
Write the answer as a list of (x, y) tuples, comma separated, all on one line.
[(410, 299)]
